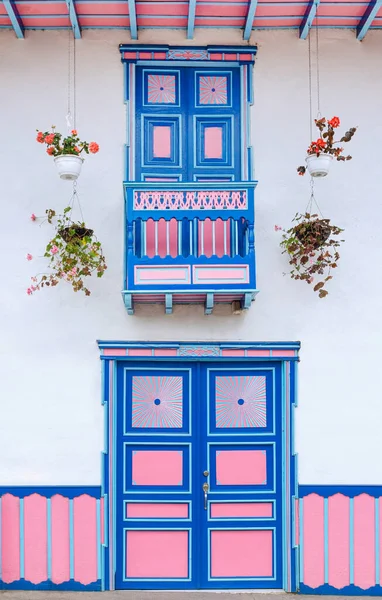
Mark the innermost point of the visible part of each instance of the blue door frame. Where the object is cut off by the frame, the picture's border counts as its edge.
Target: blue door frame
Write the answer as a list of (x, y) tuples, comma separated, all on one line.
[(200, 440)]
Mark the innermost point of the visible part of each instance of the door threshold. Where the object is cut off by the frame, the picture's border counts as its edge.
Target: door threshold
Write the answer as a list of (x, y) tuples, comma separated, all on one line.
[(220, 591)]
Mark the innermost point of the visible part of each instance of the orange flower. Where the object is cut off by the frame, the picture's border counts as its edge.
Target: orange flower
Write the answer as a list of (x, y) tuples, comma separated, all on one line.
[(93, 147), (74, 132), (49, 139), (76, 149), (40, 137), (321, 143), (334, 122), (50, 151)]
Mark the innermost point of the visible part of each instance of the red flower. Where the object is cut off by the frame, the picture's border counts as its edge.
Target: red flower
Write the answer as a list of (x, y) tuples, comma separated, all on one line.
[(33, 217), (321, 143), (76, 149), (334, 122), (93, 147), (50, 151), (49, 138), (74, 132), (40, 137)]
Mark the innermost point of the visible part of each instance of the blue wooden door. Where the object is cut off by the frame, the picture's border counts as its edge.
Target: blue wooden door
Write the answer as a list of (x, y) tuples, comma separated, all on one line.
[(188, 124), (199, 477)]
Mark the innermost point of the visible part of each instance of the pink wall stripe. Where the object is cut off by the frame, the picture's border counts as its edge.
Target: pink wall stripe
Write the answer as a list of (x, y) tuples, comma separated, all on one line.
[(313, 575), (165, 352), (85, 539), (339, 541), (10, 538), (114, 352), (35, 538), (364, 541), (233, 352), (60, 539), (140, 352)]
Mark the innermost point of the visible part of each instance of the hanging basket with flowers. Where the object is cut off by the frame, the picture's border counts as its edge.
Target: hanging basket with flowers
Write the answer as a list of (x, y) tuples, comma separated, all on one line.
[(66, 151), (322, 152), (73, 254), (312, 249)]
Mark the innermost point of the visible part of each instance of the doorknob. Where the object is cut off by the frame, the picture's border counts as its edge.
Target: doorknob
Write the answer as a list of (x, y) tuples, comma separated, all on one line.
[(205, 490), (206, 473)]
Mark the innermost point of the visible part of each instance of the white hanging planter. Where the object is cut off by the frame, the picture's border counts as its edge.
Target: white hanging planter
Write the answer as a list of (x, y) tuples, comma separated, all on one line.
[(68, 166), (318, 166)]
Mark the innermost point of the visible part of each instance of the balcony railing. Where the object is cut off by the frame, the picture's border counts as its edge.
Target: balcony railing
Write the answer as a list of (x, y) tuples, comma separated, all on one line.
[(188, 243)]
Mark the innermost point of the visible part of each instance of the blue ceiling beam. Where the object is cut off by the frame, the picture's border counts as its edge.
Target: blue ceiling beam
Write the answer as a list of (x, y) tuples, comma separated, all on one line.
[(15, 18), (249, 19), (133, 20), (73, 19), (191, 19), (367, 18), (308, 19)]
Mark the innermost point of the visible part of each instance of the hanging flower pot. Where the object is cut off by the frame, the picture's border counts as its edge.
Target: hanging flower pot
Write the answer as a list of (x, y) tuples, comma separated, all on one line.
[(322, 151), (318, 165), (68, 166), (66, 151), (75, 233)]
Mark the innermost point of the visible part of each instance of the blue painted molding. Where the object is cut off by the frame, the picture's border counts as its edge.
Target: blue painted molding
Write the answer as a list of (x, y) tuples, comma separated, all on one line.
[(73, 18), (13, 14), (133, 20), (308, 19), (347, 490), (349, 590), (250, 18), (191, 19), (367, 18), (66, 586), (47, 491), (204, 51)]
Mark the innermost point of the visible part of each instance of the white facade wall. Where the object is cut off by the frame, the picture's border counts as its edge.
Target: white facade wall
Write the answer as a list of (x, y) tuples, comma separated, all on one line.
[(51, 423)]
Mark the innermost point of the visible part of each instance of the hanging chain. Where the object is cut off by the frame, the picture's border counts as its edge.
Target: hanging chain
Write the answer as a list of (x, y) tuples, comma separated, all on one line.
[(318, 71), (68, 114), (71, 82), (310, 88), (74, 83)]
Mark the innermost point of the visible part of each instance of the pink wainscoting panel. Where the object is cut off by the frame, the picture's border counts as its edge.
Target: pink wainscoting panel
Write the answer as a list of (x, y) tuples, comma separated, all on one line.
[(241, 509), (241, 553), (85, 539), (364, 541), (158, 510), (241, 467), (313, 531), (161, 141), (10, 538), (339, 541), (213, 142), (157, 467), (35, 538), (157, 554), (60, 539)]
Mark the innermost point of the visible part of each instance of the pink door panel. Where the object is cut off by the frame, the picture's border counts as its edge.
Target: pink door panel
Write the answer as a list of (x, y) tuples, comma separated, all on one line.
[(157, 554), (241, 553)]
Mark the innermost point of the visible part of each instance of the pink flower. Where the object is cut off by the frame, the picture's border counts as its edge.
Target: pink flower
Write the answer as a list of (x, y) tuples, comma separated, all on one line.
[(54, 249), (29, 291), (29, 257), (278, 228), (311, 279), (34, 279), (93, 147), (33, 217), (74, 270), (33, 288)]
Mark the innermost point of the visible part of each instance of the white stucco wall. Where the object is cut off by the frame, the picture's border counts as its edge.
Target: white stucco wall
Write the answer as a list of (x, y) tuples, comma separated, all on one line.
[(51, 420)]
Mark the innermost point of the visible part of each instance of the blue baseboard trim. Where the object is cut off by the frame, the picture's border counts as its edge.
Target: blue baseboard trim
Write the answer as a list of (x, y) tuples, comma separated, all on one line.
[(347, 490), (349, 590), (66, 586), (47, 491)]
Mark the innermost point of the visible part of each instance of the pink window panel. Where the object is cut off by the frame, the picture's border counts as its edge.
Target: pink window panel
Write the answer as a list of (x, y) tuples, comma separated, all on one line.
[(162, 141), (213, 142), (157, 467), (161, 238), (241, 467), (241, 509), (156, 510), (242, 553), (157, 402), (160, 554), (241, 401)]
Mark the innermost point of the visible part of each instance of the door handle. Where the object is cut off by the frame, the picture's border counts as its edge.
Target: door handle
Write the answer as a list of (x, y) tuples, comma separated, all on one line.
[(205, 490)]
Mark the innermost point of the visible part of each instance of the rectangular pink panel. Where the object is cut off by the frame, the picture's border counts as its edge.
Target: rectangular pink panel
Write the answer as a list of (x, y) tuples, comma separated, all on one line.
[(241, 553), (364, 541), (233, 352), (114, 352), (241, 509), (85, 539), (207, 237), (221, 274), (283, 353), (159, 275), (10, 538), (258, 353), (165, 352), (213, 142), (135, 510), (162, 141), (173, 238), (157, 554), (157, 467), (241, 467), (60, 539), (338, 538), (157, 402), (150, 238), (35, 538), (313, 535), (162, 238), (140, 352)]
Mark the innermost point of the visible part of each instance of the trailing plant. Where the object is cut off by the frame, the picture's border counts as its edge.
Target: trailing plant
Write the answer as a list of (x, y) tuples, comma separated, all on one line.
[(312, 250), (326, 144), (59, 145), (73, 254)]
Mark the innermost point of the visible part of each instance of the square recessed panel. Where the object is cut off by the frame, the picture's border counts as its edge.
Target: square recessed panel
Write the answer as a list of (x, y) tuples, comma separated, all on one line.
[(161, 88), (157, 402), (241, 553), (157, 554), (161, 141), (240, 401), (155, 467), (241, 467), (213, 89), (213, 142)]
